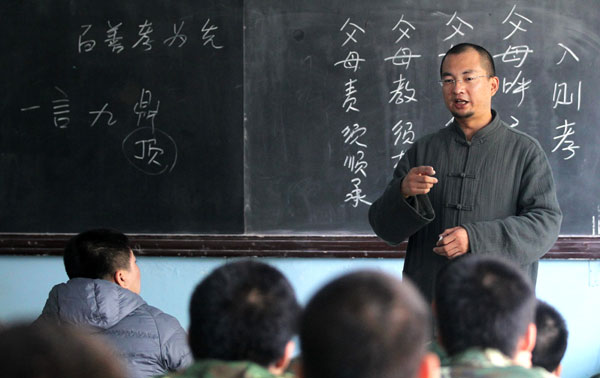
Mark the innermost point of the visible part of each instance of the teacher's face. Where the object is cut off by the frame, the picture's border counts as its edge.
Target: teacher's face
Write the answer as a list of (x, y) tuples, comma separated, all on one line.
[(470, 97)]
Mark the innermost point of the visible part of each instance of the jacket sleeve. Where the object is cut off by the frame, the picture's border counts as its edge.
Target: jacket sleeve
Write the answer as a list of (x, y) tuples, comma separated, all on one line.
[(174, 347), (527, 236), (395, 218)]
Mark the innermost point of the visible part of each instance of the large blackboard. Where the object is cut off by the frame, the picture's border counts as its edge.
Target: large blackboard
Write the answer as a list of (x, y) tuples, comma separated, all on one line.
[(324, 130), (126, 114), (276, 127)]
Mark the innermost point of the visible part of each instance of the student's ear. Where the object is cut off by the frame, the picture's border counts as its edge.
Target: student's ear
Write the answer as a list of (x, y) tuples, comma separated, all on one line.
[(528, 340), (525, 346), (430, 366), (120, 278), (280, 365), (558, 370)]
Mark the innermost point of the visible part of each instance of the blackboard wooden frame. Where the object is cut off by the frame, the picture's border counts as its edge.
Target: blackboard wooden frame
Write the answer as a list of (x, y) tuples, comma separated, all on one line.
[(296, 246)]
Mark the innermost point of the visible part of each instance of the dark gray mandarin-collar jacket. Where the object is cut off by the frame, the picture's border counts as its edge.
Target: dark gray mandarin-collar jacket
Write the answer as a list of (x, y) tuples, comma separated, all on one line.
[(498, 186)]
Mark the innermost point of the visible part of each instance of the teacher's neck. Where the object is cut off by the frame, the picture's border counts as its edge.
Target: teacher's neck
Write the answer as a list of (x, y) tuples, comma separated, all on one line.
[(470, 126)]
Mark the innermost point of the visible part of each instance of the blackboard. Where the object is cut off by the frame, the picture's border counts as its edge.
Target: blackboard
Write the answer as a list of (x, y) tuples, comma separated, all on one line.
[(276, 130), (324, 130), (126, 114)]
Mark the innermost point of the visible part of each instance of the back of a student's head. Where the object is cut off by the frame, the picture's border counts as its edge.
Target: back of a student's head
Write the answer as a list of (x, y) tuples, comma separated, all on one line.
[(365, 324), (53, 351), (483, 302), (97, 254), (551, 341), (246, 310)]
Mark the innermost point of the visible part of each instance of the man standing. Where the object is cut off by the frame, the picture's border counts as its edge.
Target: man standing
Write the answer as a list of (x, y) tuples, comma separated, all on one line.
[(103, 294), (493, 191)]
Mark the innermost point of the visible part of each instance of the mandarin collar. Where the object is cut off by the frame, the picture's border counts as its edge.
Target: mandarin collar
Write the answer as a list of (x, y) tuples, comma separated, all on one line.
[(481, 135)]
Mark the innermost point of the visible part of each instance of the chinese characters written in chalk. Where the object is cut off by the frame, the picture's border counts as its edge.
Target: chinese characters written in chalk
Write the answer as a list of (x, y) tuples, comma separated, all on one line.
[(353, 132), (112, 36), (402, 93), (566, 95), (147, 148)]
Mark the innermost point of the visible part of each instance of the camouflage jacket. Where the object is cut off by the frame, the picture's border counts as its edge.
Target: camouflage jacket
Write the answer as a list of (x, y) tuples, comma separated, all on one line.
[(225, 369), (475, 363)]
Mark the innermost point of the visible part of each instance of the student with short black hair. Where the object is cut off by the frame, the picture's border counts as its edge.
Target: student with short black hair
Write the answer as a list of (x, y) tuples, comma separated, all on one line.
[(485, 310), (52, 351), (103, 294), (367, 325), (551, 340), (242, 319)]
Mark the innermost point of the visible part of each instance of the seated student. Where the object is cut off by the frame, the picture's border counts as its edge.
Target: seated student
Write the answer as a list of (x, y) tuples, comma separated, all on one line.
[(242, 320), (551, 341), (52, 351), (366, 325), (103, 294), (485, 310)]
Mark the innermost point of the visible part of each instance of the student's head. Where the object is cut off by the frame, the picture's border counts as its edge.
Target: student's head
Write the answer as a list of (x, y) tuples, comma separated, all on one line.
[(484, 302), (469, 83), (551, 341), (103, 254), (52, 351), (366, 325), (244, 310)]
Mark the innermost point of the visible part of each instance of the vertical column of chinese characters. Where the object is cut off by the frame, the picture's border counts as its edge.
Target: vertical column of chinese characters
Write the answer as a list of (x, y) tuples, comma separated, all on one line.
[(515, 23), (402, 94), (457, 28), (352, 132), (566, 95)]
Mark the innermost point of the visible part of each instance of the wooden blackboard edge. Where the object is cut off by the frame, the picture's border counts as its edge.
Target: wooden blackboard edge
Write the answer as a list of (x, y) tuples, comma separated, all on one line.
[(333, 246)]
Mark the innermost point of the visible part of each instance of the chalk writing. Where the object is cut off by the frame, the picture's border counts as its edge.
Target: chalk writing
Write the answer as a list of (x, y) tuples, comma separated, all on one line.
[(456, 23), (113, 39), (515, 54), (562, 96), (147, 148), (516, 25), (356, 196), (566, 144), (403, 93), (518, 86), (567, 51), (144, 32), (101, 112), (61, 110), (350, 99), (354, 28), (88, 44), (351, 62), (355, 161), (176, 36), (402, 131), (403, 32), (142, 107), (208, 36), (352, 134), (402, 57)]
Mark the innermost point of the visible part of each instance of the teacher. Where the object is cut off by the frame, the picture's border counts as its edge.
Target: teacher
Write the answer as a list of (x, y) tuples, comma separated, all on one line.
[(477, 186)]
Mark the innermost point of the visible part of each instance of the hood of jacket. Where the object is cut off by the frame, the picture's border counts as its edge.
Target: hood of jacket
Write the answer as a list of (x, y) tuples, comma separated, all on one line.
[(90, 302)]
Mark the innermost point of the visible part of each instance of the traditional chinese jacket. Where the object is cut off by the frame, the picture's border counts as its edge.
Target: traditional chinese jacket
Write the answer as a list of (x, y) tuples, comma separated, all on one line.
[(498, 186)]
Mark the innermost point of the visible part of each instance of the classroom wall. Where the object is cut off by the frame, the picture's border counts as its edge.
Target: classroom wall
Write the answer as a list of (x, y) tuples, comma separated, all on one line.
[(167, 282)]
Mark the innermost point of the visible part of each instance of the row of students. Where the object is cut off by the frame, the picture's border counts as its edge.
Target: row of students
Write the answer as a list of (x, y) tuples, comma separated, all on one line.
[(367, 324)]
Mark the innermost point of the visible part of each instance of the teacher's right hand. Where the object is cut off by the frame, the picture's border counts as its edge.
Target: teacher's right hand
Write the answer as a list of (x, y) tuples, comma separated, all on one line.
[(418, 181)]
